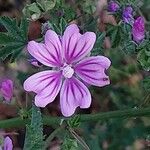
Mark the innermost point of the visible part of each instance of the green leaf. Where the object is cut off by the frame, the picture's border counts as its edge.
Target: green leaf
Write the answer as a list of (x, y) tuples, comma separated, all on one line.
[(89, 6), (49, 5), (7, 50), (115, 33), (46, 5), (74, 121), (34, 131), (24, 28), (12, 27), (15, 39), (146, 83), (5, 38), (69, 144), (35, 10), (98, 44), (15, 55), (58, 27), (144, 59), (62, 25)]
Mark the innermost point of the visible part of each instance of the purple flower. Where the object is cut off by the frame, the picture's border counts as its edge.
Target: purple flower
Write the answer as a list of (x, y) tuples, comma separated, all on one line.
[(71, 65), (8, 145), (113, 6), (6, 89), (128, 15)]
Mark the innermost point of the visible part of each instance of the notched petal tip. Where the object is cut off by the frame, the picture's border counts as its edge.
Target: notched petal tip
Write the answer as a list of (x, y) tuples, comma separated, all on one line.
[(92, 70), (66, 114), (31, 44), (74, 94), (72, 27), (105, 62), (39, 103), (91, 35), (25, 85)]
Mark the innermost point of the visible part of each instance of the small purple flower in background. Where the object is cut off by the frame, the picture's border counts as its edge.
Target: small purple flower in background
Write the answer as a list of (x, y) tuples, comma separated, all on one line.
[(128, 15), (6, 89), (71, 65), (113, 6), (8, 145), (138, 30)]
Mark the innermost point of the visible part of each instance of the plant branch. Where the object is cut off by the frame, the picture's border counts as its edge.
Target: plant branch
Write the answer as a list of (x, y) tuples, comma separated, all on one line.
[(47, 120)]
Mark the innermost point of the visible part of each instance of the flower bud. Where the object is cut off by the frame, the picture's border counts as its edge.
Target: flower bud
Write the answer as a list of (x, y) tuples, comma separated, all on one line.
[(138, 30), (113, 6), (6, 89), (128, 15)]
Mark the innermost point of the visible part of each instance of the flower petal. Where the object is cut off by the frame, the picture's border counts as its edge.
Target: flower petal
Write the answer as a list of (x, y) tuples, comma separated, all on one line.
[(49, 93), (69, 40), (39, 81), (75, 45), (46, 84), (53, 45), (42, 54), (73, 94), (92, 70), (84, 46)]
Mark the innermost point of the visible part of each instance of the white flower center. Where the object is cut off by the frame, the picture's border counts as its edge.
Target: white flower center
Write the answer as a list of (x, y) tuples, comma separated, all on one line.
[(68, 71)]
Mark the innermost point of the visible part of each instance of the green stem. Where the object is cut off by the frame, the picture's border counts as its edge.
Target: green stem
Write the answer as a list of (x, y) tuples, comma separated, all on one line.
[(47, 120), (13, 123)]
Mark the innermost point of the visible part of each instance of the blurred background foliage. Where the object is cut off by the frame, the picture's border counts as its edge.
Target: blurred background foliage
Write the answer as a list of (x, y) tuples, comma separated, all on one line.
[(129, 73)]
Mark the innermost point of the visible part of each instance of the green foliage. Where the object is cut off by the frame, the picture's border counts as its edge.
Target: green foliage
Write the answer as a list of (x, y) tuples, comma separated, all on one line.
[(24, 113), (35, 10), (117, 134), (78, 138), (61, 12), (59, 26), (90, 24), (70, 144), (144, 58), (74, 121), (34, 131), (89, 6), (15, 39), (121, 36), (125, 2), (115, 34), (146, 83), (98, 47)]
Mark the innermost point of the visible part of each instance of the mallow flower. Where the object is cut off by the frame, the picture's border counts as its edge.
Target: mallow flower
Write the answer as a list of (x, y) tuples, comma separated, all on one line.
[(6, 89), (138, 29), (8, 145), (72, 69)]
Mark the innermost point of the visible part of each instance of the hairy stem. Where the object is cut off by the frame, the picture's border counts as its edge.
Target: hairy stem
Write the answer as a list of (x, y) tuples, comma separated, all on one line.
[(47, 120)]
